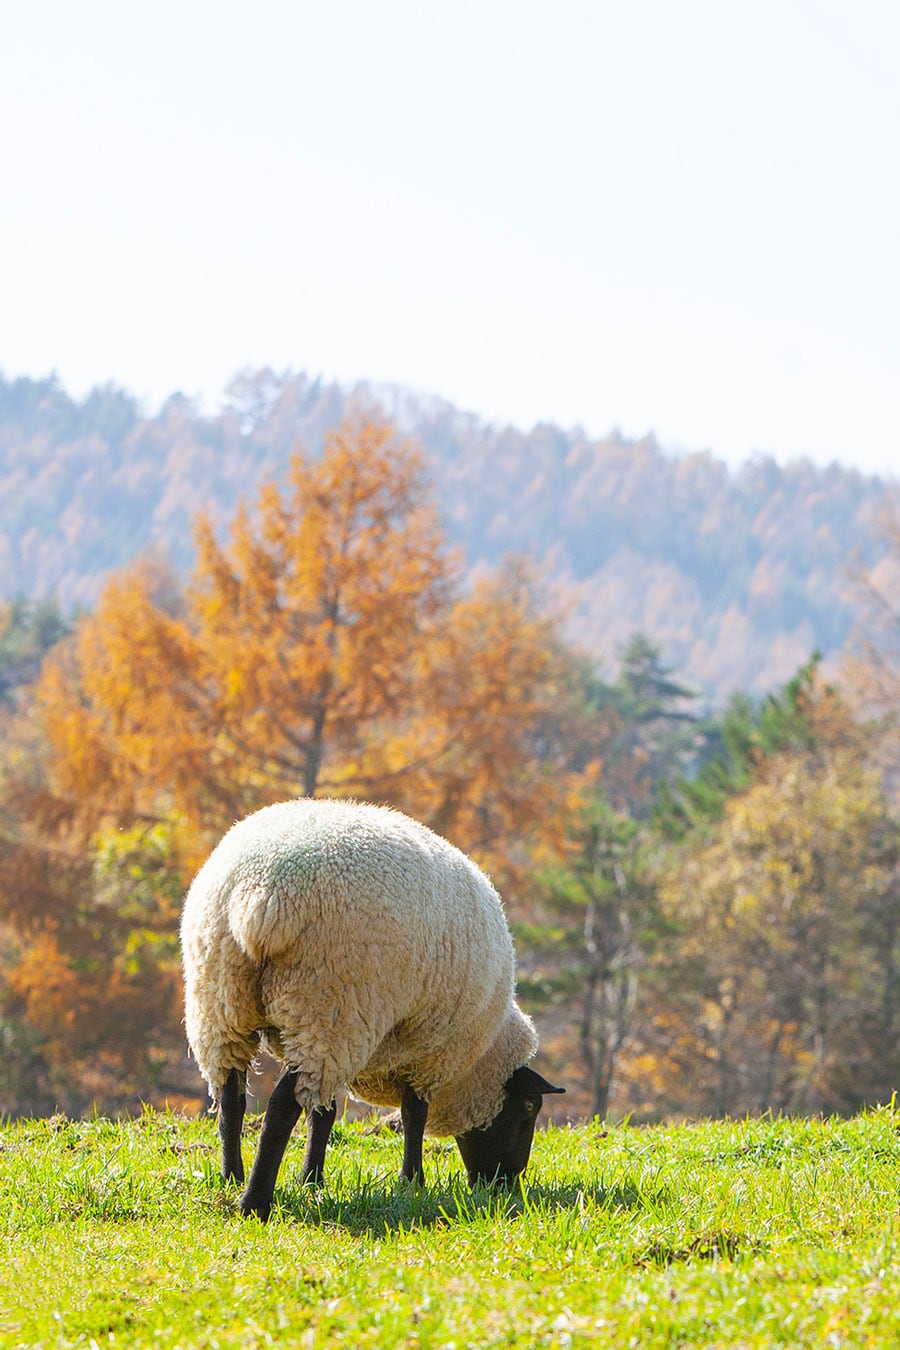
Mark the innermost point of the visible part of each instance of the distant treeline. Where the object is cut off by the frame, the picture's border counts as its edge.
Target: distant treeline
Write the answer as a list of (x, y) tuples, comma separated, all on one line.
[(736, 576)]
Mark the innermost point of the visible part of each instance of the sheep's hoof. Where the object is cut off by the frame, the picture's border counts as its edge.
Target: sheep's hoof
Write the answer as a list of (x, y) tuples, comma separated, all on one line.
[(250, 1209), (417, 1179)]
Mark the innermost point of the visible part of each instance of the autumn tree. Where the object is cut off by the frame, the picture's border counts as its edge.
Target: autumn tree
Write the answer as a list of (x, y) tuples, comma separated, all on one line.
[(784, 988), (324, 647)]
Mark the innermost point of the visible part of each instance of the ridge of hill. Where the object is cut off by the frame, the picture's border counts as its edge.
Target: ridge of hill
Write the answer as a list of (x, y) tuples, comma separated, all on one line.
[(737, 576)]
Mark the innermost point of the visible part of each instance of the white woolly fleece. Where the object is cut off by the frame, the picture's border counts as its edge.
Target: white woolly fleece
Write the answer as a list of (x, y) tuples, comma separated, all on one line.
[(361, 949)]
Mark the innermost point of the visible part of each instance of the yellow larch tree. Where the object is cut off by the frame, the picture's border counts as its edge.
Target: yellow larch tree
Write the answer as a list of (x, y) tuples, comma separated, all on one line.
[(325, 646)]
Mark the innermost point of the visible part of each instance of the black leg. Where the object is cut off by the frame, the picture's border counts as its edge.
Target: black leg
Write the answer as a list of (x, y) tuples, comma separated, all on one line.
[(232, 1105), (413, 1113), (281, 1116), (318, 1125)]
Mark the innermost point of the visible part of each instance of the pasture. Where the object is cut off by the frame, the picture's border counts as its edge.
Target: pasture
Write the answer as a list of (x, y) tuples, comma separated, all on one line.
[(752, 1233)]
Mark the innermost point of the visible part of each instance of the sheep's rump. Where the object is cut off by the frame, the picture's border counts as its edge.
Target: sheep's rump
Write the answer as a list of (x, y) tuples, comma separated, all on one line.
[(356, 944)]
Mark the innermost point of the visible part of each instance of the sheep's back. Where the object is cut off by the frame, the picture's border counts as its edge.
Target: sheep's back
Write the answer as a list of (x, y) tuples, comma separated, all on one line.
[(308, 871)]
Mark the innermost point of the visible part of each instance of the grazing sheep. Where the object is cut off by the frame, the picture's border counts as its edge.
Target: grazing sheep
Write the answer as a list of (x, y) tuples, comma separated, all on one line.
[(363, 951)]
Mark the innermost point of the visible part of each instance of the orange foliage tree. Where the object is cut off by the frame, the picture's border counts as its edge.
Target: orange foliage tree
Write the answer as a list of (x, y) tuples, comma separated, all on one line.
[(324, 648), (293, 637)]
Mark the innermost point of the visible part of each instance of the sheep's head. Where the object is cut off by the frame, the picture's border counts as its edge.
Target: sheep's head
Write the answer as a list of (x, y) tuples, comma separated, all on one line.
[(500, 1150)]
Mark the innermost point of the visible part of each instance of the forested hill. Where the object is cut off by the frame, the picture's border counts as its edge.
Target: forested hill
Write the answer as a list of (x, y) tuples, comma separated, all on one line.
[(737, 576)]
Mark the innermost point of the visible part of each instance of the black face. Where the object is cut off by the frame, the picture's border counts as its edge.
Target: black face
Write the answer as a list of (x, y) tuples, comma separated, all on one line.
[(500, 1151)]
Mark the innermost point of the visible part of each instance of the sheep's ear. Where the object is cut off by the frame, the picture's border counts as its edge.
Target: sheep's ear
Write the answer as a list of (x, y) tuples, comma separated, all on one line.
[(530, 1084)]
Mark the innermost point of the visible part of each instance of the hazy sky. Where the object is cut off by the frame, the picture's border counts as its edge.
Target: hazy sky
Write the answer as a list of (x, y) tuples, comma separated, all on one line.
[(681, 216)]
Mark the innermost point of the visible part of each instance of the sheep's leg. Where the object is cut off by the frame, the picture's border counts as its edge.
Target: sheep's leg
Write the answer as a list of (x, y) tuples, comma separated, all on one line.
[(281, 1116), (413, 1114), (232, 1105), (318, 1125)]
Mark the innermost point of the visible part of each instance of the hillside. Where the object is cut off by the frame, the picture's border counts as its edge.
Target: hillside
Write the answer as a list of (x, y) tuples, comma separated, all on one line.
[(738, 576)]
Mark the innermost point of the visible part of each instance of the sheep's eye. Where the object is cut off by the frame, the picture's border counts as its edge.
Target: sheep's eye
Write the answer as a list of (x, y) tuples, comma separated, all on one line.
[(531, 1107)]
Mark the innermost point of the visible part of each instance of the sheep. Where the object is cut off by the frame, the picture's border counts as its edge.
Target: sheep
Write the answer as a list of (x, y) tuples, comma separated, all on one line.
[(364, 952)]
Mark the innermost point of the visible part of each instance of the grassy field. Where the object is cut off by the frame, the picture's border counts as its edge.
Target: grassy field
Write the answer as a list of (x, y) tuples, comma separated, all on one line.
[(753, 1233)]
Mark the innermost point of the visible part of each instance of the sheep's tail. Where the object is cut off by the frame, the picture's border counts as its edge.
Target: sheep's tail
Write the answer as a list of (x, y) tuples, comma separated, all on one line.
[(264, 923)]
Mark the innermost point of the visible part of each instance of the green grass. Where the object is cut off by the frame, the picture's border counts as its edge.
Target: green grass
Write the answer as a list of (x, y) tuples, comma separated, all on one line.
[(753, 1233)]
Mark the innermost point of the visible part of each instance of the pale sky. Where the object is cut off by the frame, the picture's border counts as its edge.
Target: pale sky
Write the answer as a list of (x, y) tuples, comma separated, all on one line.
[(677, 216)]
